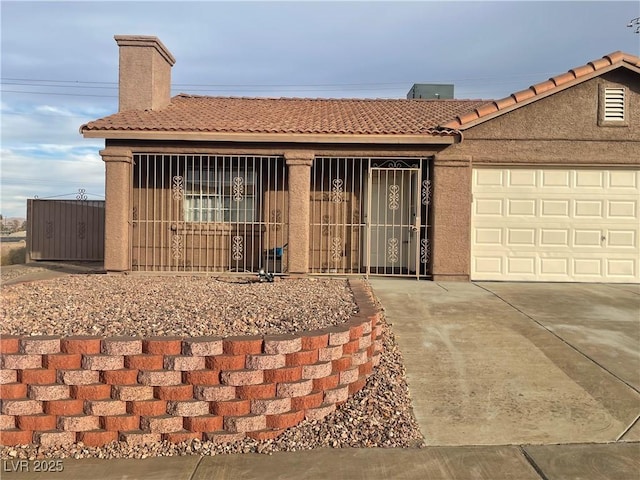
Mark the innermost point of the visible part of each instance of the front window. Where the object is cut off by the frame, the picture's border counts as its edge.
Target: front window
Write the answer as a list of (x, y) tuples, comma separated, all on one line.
[(219, 195)]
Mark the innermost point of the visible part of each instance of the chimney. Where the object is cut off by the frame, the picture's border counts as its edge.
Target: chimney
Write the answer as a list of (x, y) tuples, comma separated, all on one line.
[(145, 73)]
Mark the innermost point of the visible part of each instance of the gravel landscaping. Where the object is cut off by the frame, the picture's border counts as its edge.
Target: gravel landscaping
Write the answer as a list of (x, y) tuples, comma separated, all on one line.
[(379, 415)]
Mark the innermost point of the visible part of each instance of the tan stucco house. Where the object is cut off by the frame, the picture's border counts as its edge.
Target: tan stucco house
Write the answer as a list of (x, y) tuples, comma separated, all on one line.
[(543, 185)]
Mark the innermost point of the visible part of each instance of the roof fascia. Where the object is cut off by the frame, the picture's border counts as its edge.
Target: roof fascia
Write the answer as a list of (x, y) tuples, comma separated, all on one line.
[(548, 93), (273, 137)]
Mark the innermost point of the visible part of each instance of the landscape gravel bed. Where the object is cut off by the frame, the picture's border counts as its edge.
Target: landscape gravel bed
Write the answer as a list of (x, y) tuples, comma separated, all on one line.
[(144, 306), (379, 415)]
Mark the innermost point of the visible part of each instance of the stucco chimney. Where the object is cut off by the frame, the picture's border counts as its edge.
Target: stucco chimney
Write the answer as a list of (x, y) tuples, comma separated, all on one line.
[(145, 73)]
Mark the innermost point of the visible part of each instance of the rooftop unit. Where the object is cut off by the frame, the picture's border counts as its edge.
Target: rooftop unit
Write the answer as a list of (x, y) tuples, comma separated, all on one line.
[(431, 91)]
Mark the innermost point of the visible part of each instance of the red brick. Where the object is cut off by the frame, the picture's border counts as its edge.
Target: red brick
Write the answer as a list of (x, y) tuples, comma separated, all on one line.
[(120, 423), (314, 340), (120, 377), (53, 438), (183, 363), (21, 407), (84, 344), (97, 438), (304, 357), (159, 378), (318, 370), (246, 423), (20, 362), (286, 374), (330, 353), (274, 344), (103, 408), (64, 407), (326, 383), (308, 401), (371, 350), (349, 376), (366, 327), (242, 377), (9, 344), (12, 391), (78, 377), (375, 360), (320, 412), (226, 362), (366, 368), (16, 437), (242, 345), (338, 335), (181, 436), (37, 376), (48, 392), (378, 346), (102, 362), (341, 364), (357, 385), (162, 424), (231, 408), (214, 393), (285, 420), (147, 408), (351, 347), (7, 422), (262, 390), (36, 422), (201, 377), (138, 437), (174, 392), (130, 393), (270, 406), (202, 346), (40, 344), (121, 346), (336, 395), (162, 345), (95, 391), (8, 376), (144, 362), (356, 331), (265, 362), (267, 434), (62, 361), (203, 423), (359, 357), (188, 408), (295, 389), (78, 423)]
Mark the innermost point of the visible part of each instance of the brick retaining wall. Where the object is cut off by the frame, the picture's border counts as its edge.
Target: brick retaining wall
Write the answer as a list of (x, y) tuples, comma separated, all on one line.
[(61, 390)]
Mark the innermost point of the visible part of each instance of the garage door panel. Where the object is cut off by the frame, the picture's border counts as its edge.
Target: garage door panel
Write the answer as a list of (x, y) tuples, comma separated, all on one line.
[(556, 225)]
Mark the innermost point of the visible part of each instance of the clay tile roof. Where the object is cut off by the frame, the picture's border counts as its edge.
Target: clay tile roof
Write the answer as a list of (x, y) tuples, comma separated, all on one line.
[(547, 87), (187, 113)]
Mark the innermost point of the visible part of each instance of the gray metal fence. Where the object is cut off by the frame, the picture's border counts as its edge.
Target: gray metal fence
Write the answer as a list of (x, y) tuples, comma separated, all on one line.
[(65, 230)]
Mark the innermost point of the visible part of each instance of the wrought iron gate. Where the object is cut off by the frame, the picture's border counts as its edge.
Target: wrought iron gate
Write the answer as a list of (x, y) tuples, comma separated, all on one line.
[(370, 216), (209, 213)]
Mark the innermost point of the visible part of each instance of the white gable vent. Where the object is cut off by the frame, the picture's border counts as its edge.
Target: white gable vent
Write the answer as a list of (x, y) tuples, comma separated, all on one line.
[(614, 104)]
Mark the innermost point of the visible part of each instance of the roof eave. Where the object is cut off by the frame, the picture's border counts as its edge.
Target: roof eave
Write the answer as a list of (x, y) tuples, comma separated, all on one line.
[(410, 139), (546, 94)]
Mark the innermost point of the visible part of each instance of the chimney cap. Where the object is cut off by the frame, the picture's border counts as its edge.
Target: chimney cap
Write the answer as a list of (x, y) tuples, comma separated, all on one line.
[(145, 41)]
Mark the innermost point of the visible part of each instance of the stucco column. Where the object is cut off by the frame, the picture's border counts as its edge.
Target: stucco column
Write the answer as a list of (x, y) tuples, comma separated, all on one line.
[(451, 217), (299, 166), (117, 228)]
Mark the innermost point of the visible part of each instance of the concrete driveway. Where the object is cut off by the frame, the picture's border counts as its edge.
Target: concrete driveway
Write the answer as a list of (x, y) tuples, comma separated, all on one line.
[(518, 363)]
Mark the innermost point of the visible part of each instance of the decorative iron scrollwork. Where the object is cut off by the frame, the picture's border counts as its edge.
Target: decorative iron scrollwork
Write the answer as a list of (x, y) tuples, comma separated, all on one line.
[(408, 163), (394, 197), (178, 187), (275, 217), (426, 192), (325, 227), (238, 189), (336, 249), (177, 247), (337, 190), (82, 194), (425, 250), (392, 250), (237, 248)]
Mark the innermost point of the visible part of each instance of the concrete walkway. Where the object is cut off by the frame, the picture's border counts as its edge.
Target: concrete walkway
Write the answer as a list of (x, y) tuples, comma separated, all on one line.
[(482, 371)]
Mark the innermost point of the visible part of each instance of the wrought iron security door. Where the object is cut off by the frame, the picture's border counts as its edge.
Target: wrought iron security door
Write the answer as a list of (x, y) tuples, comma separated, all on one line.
[(394, 219)]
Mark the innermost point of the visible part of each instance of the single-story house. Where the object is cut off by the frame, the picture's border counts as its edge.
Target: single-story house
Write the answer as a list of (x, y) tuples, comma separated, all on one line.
[(543, 185)]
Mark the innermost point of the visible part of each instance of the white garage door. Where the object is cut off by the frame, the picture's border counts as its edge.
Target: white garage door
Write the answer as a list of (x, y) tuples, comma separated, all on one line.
[(557, 225)]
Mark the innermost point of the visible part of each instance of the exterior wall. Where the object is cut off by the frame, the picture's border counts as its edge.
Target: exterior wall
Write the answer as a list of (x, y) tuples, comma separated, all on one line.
[(61, 390)]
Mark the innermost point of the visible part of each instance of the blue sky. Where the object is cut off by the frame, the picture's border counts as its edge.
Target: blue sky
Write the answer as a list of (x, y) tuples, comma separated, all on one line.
[(60, 62)]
